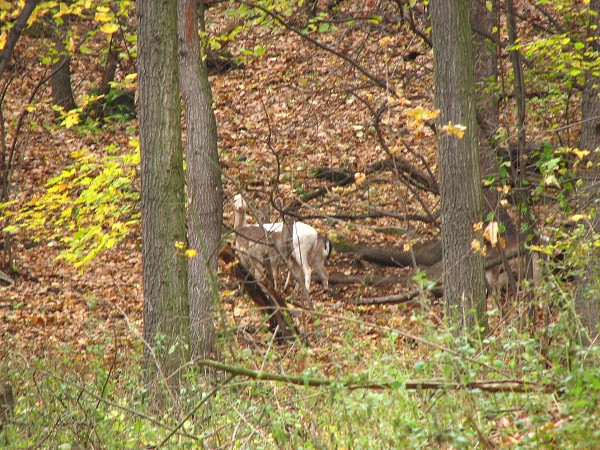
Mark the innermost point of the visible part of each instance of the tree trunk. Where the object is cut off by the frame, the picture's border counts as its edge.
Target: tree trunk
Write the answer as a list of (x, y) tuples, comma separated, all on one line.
[(205, 212), (62, 93), (519, 164), (460, 180), (166, 304), (485, 63), (587, 293), (15, 33)]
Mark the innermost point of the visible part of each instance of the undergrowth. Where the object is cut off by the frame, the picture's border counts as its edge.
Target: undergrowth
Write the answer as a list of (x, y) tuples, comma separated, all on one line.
[(98, 402)]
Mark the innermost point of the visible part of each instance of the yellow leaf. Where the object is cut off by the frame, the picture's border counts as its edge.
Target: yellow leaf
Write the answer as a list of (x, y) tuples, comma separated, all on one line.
[(360, 178), (135, 143), (580, 153), (490, 233), (538, 249), (102, 16), (577, 217), (70, 120), (454, 130), (191, 252), (71, 45), (476, 245), (550, 180), (109, 28), (180, 245), (77, 154), (3, 37), (385, 41)]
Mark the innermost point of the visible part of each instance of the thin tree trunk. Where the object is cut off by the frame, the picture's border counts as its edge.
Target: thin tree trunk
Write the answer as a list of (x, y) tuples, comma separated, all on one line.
[(519, 92), (485, 63), (62, 92), (15, 33), (460, 179), (205, 213), (166, 304), (587, 293)]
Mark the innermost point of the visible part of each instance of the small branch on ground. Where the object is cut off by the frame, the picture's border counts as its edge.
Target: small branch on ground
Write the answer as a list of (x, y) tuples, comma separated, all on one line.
[(496, 386)]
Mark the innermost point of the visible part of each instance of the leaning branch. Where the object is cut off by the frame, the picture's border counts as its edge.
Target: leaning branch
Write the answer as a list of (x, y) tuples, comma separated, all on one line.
[(506, 385)]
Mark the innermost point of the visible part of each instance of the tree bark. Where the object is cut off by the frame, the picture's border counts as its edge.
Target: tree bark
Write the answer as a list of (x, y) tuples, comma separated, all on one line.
[(166, 304), (460, 179), (519, 94), (587, 292), (205, 212), (62, 92), (485, 64)]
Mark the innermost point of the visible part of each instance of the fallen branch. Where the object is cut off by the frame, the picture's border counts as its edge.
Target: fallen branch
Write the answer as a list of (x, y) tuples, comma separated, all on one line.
[(352, 383), (6, 279), (406, 297)]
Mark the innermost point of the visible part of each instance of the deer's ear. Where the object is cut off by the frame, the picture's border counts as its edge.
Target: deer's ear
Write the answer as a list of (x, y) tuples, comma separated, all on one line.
[(329, 247)]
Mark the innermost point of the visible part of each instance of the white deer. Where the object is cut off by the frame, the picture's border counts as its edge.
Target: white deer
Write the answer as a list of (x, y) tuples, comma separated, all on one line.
[(308, 251)]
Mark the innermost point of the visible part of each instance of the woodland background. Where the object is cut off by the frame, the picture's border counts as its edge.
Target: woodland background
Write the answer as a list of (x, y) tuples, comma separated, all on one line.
[(329, 107)]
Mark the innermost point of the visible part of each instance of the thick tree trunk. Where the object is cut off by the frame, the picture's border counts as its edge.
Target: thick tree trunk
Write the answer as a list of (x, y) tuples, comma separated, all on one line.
[(166, 305), (587, 293), (460, 179), (205, 213)]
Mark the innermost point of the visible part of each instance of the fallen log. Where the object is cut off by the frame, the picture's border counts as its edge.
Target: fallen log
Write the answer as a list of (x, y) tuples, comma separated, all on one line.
[(425, 254)]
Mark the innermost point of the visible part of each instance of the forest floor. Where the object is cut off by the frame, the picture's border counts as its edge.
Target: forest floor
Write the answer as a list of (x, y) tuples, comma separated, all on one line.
[(292, 110), (287, 112)]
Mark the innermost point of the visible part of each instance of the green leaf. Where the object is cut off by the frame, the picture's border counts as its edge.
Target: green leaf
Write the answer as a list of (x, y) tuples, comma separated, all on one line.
[(324, 26)]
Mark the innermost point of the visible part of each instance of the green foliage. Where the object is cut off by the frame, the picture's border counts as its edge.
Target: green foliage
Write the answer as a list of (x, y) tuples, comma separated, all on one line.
[(100, 404), (89, 207)]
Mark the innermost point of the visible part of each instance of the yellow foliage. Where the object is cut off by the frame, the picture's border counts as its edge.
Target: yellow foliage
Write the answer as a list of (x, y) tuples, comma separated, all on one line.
[(109, 28), (454, 130), (89, 207), (191, 253)]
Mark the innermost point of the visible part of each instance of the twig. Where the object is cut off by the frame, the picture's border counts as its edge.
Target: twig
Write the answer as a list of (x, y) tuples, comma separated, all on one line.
[(110, 403), (278, 18), (193, 411)]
